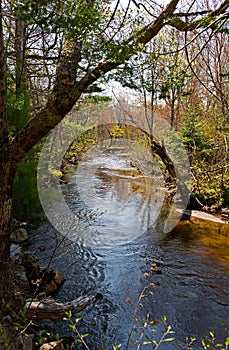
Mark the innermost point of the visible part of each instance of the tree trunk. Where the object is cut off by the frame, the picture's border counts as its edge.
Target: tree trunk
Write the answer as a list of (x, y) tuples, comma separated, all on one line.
[(172, 114), (19, 52), (6, 186)]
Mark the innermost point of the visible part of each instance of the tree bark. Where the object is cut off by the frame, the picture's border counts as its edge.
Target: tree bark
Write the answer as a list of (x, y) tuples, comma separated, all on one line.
[(6, 185), (67, 89), (6, 283), (172, 113), (3, 118), (19, 52)]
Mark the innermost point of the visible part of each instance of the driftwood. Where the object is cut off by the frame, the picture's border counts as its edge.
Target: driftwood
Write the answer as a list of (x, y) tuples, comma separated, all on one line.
[(52, 310)]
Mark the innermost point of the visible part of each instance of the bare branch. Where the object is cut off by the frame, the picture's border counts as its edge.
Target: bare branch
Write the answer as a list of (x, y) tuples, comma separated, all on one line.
[(175, 20), (67, 89), (194, 58)]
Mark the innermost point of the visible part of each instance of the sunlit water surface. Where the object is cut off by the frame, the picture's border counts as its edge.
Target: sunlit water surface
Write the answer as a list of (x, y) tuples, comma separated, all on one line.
[(113, 246)]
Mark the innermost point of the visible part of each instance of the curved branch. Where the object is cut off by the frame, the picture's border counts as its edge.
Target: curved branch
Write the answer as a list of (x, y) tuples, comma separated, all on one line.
[(175, 20), (67, 89), (194, 58)]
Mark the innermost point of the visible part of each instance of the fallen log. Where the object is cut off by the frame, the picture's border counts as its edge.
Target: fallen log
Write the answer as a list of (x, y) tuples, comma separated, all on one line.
[(52, 310)]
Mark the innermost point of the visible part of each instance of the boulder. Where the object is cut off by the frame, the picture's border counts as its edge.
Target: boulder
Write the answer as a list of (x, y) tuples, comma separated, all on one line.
[(32, 267), (16, 340), (22, 342), (47, 281), (54, 345), (14, 224), (225, 214), (59, 278), (225, 211), (52, 280), (19, 235), (19, 276)]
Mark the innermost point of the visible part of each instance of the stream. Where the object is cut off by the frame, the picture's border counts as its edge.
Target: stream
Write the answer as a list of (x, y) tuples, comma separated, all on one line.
[(115, 250)]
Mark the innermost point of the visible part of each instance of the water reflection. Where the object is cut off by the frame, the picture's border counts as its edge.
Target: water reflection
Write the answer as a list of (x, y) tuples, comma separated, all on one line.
[(192, 259), (118, 236), (125, 201), (205, 238)]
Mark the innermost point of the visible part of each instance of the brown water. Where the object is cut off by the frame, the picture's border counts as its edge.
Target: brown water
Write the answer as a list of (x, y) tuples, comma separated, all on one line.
[(113, 246)]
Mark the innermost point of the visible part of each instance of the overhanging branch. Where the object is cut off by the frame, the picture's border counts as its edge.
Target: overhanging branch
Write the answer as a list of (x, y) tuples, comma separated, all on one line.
[(67, 89)]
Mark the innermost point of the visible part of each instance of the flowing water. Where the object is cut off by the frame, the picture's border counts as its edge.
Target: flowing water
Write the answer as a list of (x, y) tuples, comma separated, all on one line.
[(111, 251)]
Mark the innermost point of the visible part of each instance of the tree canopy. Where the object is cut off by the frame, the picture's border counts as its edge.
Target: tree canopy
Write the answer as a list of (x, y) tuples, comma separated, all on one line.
[(65, 47)]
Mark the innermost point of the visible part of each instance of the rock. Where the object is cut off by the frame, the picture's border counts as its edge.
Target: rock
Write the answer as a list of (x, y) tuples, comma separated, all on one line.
[(19, 235), (225, 211), (50, 288), (23, 224), (52, 280), (17, 340), (54, 345), (42, 248), (225, 214), (19, 276), (14, 224), (206, 208), (214, 209), (59, 278), (23, 342), (225, 217), (47, 281), (32, 267), (186, 214)]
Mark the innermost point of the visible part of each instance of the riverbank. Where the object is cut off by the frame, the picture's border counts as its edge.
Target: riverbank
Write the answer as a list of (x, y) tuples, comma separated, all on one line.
[(214, 211), (192, 214)]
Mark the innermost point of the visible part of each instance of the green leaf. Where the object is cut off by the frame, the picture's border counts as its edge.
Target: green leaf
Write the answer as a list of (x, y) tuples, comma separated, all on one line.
[(116, 347), (77, 320), (23, 313), (18, 325), (68, 314), (72, 326), (168, 339)]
